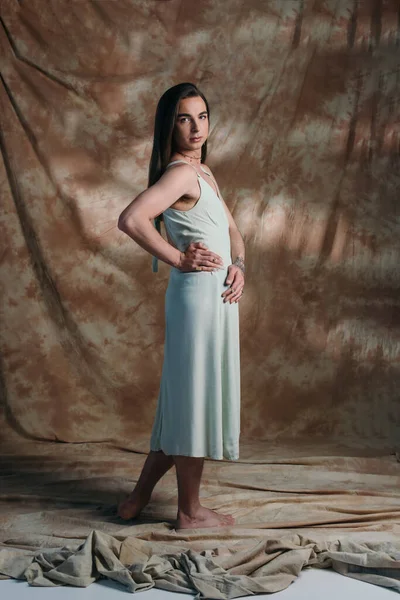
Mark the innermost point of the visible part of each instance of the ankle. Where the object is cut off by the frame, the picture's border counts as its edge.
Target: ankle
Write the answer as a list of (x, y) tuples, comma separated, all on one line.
[(140, 492), (189, 511)]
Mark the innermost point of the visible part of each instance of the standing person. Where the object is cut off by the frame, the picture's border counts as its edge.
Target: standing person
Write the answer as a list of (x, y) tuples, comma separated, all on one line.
[(198, 410)]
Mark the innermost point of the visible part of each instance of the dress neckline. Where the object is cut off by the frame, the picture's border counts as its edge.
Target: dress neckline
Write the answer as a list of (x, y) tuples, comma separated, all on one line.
[(209, 184)]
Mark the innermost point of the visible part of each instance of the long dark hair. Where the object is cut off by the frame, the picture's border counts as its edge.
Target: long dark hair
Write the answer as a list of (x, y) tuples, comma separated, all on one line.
[(163, 145), (166, 113)]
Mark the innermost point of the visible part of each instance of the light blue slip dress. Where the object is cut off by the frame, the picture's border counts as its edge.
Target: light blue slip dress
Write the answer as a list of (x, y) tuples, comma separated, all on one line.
[(198, 409)]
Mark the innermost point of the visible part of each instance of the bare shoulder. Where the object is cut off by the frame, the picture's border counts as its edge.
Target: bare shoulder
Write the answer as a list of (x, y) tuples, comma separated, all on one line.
[(179, 170), (179, 165), (180, 178)]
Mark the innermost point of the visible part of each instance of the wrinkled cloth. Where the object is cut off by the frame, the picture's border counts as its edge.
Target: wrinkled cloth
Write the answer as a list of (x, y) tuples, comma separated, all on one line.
[(267, 567), (295, 506)]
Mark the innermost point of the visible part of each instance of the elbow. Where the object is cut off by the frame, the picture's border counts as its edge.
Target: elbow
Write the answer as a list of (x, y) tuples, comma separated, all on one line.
[(121, 223), (131, 224), (125, 224)]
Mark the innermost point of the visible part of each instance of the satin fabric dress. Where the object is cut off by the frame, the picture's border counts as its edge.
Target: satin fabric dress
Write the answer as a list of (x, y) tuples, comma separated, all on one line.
[(198, 407)]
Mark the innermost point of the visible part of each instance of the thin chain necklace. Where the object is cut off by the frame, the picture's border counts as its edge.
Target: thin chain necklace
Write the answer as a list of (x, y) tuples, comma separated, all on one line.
[(190, 157)]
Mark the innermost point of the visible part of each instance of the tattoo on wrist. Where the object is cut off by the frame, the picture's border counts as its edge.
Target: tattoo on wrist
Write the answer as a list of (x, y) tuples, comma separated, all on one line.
[(239, 262)]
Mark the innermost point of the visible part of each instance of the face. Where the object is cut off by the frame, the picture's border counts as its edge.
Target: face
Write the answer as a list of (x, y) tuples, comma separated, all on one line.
[(191, 122)]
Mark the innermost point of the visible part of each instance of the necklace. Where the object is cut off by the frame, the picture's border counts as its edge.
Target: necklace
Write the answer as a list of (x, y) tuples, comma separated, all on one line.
[(190, 157)]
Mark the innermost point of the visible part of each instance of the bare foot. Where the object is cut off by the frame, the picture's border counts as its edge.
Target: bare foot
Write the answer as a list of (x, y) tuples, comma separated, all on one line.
[(204, 517), (132, 505)]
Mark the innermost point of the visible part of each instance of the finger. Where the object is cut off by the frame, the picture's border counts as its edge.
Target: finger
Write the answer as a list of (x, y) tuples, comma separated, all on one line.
[(228, 291), (207, 255), (216, 258), (235, 297), (209, 263), (233, 293), (238, 282), (206, 263), (238, 295), (230, 279), (227, 295), (202, 267)]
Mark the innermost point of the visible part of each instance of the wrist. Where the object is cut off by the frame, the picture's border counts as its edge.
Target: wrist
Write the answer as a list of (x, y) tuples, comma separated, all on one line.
[(178, 261), (239, 262)]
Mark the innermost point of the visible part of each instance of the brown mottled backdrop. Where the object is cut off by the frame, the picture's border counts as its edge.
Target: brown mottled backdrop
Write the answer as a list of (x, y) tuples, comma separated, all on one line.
[(304, 142)]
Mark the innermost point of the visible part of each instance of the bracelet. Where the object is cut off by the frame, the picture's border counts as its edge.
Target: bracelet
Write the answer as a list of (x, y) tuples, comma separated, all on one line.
[(239, 262)]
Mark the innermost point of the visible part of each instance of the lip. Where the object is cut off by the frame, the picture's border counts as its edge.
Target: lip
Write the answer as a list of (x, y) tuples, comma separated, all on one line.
[(196, 139)]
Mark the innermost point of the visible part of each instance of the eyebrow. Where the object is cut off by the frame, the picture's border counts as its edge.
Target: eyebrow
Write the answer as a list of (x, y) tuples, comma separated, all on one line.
[(187, 114)]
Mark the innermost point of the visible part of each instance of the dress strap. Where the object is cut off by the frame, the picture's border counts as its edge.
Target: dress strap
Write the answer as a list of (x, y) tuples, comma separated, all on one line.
[(184, 161)]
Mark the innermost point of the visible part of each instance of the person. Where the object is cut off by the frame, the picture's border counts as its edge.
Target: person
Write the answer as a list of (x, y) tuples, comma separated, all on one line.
[(198, 409)]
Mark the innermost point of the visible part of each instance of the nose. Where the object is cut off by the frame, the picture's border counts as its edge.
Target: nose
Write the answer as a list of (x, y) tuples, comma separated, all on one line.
[(195, 127)]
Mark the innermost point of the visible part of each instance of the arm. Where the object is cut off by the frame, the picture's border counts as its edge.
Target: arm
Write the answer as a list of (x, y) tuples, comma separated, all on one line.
[(136, 219), (235, 278), (237, 243)]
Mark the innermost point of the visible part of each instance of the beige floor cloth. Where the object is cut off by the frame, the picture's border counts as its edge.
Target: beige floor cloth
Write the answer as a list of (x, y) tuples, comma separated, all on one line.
[(297, 505)]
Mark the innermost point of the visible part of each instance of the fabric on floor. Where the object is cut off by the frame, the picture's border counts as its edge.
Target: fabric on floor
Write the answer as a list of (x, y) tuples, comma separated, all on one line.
[(296, 505), (266, 567)]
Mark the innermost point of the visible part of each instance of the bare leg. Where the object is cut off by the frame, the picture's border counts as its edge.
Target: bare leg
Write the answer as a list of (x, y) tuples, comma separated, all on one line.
[(156, 465), (191, 513)]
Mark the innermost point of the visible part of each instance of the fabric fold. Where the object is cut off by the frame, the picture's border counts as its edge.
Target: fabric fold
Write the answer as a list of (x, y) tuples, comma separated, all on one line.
[(266, 567)]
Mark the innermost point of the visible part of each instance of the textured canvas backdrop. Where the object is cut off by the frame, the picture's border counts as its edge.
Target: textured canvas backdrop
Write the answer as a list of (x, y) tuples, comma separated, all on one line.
[(304, 143)]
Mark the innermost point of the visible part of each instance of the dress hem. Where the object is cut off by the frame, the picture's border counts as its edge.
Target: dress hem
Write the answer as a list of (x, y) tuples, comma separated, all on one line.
[(212, 457)]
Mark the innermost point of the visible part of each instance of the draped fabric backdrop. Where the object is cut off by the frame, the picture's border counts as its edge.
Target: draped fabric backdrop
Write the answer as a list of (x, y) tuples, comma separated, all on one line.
[(304, 143)]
